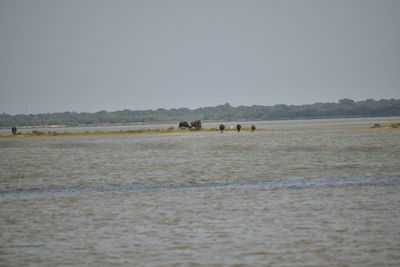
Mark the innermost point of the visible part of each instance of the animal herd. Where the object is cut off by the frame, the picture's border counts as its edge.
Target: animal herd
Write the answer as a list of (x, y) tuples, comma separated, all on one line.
[(188, 125), (197, 125)]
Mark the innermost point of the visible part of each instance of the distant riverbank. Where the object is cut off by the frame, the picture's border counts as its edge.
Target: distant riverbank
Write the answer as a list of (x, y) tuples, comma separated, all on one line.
[(170, 130), (344, 108)]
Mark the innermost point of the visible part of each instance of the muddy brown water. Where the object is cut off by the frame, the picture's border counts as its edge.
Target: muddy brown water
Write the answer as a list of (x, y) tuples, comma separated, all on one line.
[(309, 193)]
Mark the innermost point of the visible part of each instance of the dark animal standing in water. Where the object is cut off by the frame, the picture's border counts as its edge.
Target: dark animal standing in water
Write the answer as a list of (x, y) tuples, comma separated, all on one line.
[(184, 125), (253, 128), (221, 127), (196, 124), (238, 127), (14, 130)]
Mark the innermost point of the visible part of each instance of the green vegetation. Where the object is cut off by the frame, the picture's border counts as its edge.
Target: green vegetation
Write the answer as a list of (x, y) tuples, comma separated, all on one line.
[(391, 126), (376, 125), (344, 108)]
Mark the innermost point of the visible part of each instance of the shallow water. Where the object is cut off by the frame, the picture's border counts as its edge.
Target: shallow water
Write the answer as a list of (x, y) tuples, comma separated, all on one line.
[(311, 192)]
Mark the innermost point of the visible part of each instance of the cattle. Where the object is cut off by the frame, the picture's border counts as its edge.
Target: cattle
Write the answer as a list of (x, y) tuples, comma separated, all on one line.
[(253, 128), (196, 125), (221, 127), (184, 125), (14, 130), (238, 127)]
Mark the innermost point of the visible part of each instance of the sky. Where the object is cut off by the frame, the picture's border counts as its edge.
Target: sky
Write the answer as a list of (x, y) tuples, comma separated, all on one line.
[(92, 55)]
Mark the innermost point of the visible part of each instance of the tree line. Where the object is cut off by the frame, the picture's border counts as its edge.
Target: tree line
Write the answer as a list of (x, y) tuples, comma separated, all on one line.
[(226, 112)]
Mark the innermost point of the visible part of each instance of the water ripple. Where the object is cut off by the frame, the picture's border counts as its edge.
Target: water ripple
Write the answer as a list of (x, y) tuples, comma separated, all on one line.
[(275, 184)]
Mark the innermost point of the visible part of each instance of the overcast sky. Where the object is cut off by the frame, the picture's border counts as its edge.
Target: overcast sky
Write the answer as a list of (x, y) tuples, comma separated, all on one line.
[(92, 55)]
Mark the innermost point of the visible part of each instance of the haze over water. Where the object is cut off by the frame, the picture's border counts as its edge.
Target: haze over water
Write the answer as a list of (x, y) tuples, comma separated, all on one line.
[(310, 192)]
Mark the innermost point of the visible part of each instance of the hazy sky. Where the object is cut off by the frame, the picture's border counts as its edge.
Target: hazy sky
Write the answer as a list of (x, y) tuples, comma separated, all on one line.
[(92, 55)]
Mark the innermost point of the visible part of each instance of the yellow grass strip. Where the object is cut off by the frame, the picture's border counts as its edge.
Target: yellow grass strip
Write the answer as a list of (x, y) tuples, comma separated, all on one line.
[(391, 126), (36, 133)]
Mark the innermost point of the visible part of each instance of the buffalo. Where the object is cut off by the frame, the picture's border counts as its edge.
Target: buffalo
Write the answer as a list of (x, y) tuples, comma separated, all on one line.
[(221, 127), (238, 127), (253, 128), (196, 125), (14, 130), (184, 125)]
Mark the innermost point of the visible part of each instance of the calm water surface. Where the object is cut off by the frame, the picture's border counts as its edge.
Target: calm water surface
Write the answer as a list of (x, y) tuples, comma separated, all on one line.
[(309, 193)]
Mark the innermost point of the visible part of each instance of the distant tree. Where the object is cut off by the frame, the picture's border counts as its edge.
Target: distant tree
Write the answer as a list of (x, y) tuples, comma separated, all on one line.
[(344, 108), (346, 101)]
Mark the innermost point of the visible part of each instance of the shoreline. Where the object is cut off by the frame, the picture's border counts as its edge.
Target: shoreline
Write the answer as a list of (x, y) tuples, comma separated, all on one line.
[(35, 133), (377, 126)]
